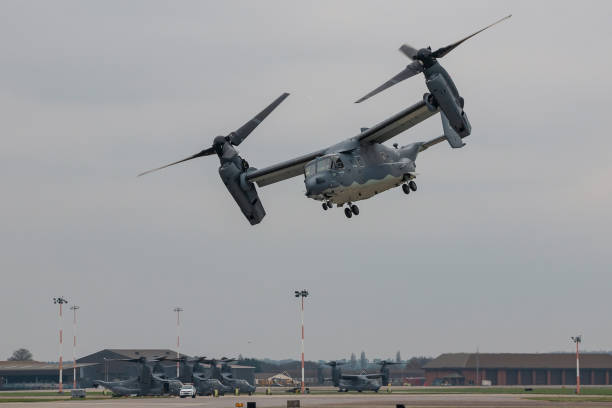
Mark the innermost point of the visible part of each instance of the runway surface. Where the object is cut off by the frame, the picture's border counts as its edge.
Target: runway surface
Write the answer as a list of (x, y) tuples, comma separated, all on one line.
[(323, 401)]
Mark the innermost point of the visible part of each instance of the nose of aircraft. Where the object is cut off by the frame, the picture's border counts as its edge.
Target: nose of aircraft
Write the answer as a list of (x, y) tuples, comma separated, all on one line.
[(310, 184), (318, 184)]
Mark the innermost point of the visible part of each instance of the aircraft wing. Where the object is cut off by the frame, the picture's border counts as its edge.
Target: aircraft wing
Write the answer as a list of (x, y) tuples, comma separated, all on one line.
[(282, 171), (351, 376), (396, 124)]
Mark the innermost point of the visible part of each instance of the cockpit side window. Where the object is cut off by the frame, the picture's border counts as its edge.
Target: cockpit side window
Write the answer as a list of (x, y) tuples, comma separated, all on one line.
[(338, 164), (310, 170), (323, 164)]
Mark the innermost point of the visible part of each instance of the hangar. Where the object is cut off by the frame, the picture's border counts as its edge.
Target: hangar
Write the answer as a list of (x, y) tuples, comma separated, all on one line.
[(15, 375), (518, 369)]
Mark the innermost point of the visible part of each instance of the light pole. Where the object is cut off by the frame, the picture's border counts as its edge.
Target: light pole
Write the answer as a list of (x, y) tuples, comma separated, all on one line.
[(60, 301), (302, 294), (577, 340), (74, 309), (178, 311)]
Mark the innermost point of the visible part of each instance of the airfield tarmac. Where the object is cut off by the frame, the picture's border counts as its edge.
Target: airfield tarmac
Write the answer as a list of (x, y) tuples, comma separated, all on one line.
[(325, 401)]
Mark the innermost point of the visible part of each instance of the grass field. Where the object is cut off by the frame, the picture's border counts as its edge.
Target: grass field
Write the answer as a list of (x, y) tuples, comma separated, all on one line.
[(507, 390), (571, 399), (473, 390)]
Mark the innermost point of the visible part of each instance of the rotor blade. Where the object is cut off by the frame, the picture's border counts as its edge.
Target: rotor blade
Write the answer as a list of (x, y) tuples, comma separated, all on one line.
[(239, 135), (440, 52), (410, 70), (205, 152), (408, 51)]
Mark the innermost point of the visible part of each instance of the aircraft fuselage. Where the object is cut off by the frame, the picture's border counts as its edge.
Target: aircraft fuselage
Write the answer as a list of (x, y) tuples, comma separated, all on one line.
[(360, 173)]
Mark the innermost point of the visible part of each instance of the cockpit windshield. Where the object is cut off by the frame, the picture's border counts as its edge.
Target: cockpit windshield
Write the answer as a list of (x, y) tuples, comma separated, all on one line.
[(324, 164), (310, 170)]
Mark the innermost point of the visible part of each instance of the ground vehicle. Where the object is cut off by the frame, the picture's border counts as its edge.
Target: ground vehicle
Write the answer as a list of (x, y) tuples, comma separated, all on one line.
[(187, 390)]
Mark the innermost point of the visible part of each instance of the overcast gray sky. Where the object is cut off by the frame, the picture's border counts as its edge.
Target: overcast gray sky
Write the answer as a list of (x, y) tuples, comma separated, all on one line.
[(505, 246)]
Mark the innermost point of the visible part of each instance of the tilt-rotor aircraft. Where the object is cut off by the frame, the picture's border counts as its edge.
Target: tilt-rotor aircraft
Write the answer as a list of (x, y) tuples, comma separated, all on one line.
[(361, 166), (195, 374), (359, 382), (226, 378), (149, 381)]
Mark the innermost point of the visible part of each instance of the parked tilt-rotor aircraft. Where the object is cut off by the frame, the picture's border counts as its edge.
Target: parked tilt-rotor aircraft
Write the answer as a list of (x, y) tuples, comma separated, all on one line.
[(361, 166), (238, 385), (149, 381), (195, 375), (358, 382)]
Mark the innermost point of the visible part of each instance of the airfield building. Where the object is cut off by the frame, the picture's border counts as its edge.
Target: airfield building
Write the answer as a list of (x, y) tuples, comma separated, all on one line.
[(518, 369), (31, 375)]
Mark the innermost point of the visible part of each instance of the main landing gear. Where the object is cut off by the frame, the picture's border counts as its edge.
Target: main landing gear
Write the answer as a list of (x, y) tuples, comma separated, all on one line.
[(411, 185), (351, 210)]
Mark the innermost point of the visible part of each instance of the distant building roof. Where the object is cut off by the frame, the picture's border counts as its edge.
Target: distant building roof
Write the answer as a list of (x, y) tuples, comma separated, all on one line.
[(111, 354), (12, 367), (148, 353), (518, 360)]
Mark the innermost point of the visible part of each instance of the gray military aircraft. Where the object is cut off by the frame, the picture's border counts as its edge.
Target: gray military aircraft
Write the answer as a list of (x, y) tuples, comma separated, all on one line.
[(359, 382), (149, 381), (361, 166), (226, 378), (353, 382), (195, 374)]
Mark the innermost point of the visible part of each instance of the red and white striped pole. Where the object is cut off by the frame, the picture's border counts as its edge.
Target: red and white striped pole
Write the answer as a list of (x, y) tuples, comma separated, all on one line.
[(178, 311), (302, 294), (60, 301), (74, 308), (577, 340), (302, 315)]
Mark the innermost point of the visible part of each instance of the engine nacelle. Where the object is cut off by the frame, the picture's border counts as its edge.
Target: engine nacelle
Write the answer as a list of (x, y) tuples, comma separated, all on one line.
[(449, 105), (243, 191)]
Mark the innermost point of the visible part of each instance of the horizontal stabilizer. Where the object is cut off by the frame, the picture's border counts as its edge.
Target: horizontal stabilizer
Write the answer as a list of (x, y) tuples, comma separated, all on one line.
[(451, 135)]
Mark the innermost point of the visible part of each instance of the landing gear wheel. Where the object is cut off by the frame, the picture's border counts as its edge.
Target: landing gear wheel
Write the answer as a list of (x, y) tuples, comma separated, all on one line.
[(324, 205), (355, 209), (406, 188), (330, 204), (412, 185), (348, 212)]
